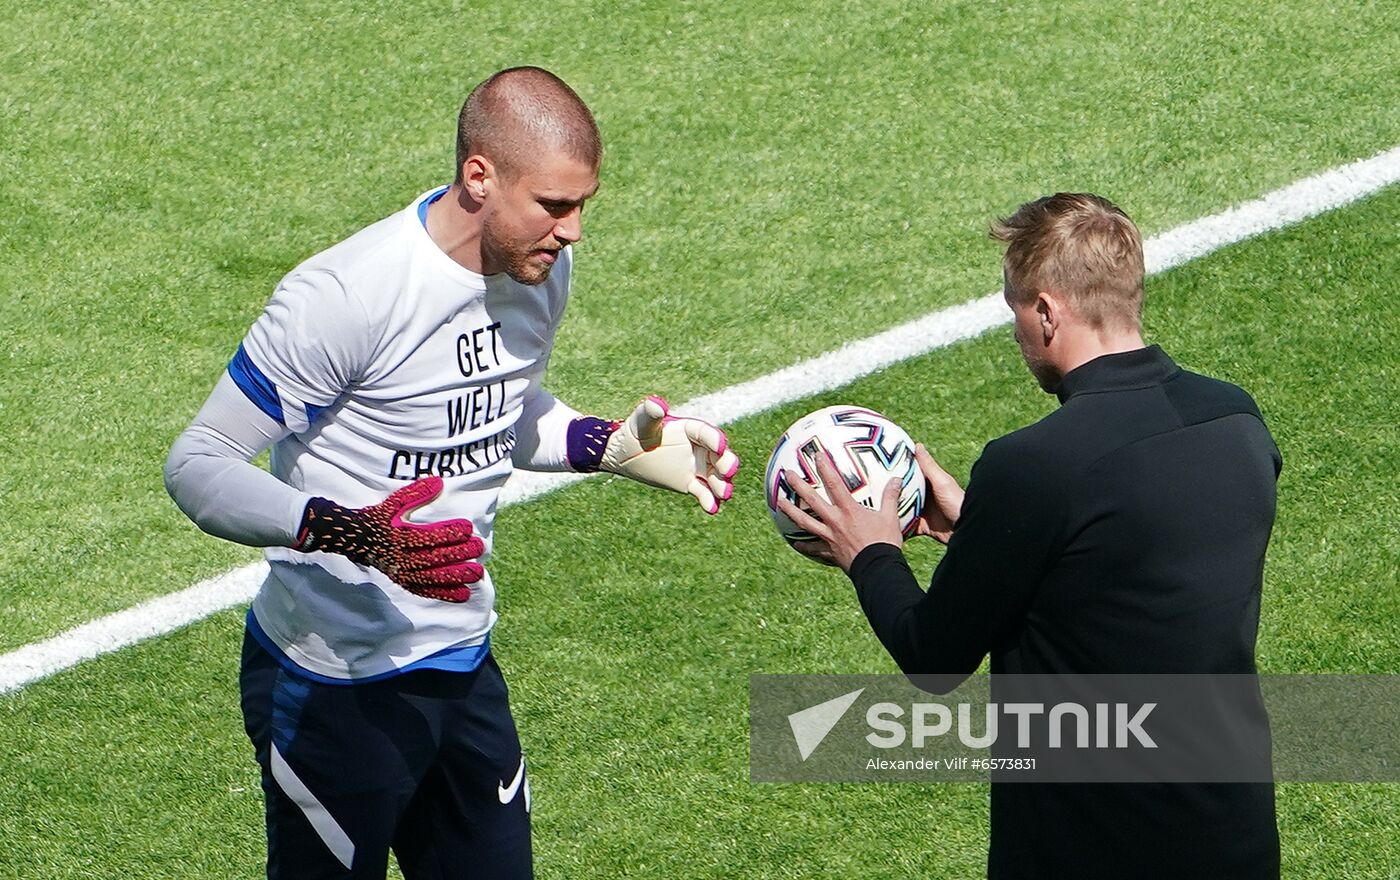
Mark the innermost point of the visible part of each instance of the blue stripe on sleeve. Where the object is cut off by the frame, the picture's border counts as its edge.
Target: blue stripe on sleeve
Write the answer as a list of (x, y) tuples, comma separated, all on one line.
[(260, 389)]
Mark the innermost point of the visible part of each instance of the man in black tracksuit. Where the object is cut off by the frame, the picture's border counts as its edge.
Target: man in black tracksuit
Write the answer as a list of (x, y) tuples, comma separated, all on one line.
[(1123, 533)]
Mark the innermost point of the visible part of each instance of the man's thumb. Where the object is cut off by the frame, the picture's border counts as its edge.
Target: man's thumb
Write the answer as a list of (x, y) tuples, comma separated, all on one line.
[(646, 421), (891, 492)]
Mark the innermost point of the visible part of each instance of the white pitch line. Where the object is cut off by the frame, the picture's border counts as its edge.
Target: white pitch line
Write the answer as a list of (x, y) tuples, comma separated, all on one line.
[(1291, 204), (153, 617)]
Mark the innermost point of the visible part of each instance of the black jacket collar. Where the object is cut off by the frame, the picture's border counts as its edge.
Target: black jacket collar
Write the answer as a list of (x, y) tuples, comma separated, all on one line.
[(1139, 368)]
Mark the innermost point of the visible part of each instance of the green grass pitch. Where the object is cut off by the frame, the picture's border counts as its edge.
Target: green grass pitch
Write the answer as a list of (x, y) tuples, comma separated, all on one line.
[(777, 180)]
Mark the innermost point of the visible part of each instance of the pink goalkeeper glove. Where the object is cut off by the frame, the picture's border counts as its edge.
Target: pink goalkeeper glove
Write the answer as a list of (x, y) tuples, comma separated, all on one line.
[(427, 559)]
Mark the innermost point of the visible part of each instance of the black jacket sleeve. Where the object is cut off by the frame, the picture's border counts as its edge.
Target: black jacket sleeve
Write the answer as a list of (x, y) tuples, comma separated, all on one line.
[(1007, 535)]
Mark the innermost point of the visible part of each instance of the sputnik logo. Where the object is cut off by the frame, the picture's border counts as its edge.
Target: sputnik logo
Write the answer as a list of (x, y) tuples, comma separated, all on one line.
[(810, 726)]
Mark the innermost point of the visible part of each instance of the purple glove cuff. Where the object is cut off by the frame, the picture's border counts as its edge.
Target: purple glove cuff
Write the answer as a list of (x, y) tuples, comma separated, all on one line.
[(586, 440)]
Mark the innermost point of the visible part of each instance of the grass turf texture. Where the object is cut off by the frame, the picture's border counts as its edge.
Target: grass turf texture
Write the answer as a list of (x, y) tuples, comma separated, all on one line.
[(629, 644), (776, 182)]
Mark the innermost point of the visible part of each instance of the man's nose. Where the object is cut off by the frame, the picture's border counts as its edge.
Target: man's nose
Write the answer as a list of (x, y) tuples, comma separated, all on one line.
[(569, 228)]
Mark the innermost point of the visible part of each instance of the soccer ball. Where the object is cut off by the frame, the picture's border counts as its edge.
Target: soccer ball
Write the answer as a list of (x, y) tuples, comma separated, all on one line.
[(868, 449)]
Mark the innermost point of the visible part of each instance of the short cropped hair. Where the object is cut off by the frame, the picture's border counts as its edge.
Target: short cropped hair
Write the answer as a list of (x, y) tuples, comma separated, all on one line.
[(520, 113), (1081, 246)]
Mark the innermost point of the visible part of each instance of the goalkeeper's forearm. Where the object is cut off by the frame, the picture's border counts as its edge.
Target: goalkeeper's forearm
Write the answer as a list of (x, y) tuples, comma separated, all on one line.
[(209, 475)]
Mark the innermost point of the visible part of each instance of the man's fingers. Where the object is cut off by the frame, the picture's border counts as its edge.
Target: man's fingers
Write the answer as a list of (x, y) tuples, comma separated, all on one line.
[(404, 501), (832, 481), (946, 496), (419, 559), (806, 491), (448, 575), (449, 583), (454, 593), (443, 575), (447, 532), (646, 421), (727, 465), (432, 534), (931, 469), (706, 436), (702, 493), (890, 501), (803, 520), (818, 550), (656, 406), (466, 572), (723, 489)]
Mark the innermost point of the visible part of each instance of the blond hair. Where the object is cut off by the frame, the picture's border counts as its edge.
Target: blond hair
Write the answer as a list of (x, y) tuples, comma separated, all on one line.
[(1078, 245)]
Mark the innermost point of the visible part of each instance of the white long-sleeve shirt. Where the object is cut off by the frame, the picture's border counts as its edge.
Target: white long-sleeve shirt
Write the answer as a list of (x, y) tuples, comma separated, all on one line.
[(376, 362)]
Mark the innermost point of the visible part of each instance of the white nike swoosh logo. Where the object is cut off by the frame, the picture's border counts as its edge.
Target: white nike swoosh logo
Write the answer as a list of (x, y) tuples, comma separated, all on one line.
[(507, 792)]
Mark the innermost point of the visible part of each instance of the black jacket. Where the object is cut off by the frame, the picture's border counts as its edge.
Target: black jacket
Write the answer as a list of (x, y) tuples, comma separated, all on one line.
[(1123, 533)]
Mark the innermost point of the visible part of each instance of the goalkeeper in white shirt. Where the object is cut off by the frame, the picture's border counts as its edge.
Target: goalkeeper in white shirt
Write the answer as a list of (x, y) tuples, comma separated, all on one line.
[(397, 379)]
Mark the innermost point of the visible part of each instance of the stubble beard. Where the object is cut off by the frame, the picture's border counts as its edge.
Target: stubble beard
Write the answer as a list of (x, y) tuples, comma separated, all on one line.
[(514, 259), (1044, 372)]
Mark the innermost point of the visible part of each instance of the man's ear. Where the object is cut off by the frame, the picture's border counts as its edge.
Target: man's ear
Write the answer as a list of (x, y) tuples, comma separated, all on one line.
[(1050, 311), (478, 177)]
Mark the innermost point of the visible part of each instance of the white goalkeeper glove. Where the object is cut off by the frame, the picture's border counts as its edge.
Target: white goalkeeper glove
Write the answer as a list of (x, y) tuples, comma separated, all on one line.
[(672, 452)]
